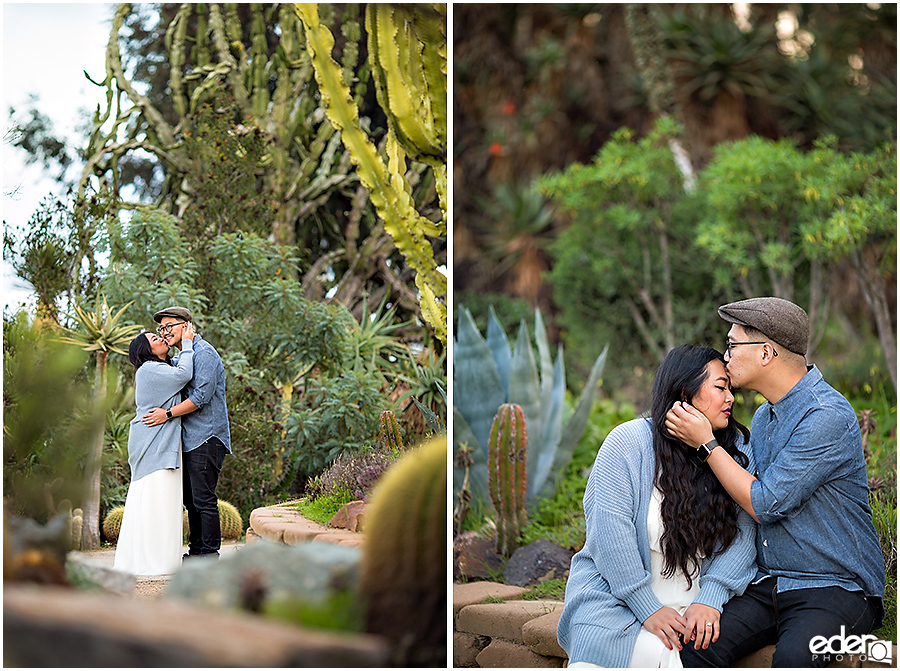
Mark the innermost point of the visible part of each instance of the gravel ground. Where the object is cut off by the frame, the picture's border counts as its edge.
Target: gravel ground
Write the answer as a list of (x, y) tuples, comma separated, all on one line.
[(150, 587)]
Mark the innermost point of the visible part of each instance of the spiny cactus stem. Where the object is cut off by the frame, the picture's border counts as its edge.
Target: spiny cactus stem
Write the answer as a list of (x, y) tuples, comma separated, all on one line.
[(507, 478)]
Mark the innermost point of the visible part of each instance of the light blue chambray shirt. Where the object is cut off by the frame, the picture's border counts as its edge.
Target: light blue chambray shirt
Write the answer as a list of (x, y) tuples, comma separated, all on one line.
[(812, 495), (207, 391)]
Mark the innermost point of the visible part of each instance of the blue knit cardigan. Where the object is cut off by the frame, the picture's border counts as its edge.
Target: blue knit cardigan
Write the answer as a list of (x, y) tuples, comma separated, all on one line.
[(608, 594), (158, 385)]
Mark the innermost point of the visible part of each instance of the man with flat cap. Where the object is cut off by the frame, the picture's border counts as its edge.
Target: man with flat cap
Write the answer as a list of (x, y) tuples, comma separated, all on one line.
[(820, 565), (205, 433)]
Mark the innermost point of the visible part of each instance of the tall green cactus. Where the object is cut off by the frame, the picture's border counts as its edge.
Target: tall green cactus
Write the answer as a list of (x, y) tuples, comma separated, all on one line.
[(507, 477), (389, 432), (404, 562), (487, 374), (408, 51)]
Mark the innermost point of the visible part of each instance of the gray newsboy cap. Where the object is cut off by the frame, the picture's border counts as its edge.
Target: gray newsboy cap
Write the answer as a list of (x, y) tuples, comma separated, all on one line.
[(782, 321), (176, 312)]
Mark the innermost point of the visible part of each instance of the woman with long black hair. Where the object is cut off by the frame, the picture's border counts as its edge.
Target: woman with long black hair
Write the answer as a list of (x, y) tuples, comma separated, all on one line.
[(150, 538), (665, 546)]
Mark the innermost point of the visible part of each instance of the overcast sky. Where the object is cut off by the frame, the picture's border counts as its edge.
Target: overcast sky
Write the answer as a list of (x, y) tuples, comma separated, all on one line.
[(46, 49)]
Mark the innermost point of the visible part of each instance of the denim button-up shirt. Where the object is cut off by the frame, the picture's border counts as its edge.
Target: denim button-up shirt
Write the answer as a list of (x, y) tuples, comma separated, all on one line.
[(207, 391), (812, 494)]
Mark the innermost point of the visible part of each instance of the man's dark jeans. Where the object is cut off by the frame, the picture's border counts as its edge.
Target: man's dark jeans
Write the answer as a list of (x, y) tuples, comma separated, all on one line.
[(201, 474), (789, 620)]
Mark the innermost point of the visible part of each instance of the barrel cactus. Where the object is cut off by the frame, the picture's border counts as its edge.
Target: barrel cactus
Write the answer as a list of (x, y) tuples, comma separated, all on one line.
[(112, 523), (230, 521), (389, 432), (488, 373), (404, 563), (507, 479)]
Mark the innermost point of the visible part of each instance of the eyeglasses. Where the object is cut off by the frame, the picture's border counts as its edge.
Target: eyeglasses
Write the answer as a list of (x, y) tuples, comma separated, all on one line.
[(731, 343), (165, 330)]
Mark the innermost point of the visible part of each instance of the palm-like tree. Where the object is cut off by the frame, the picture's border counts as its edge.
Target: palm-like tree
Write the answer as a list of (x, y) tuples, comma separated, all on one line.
[(101, 333)]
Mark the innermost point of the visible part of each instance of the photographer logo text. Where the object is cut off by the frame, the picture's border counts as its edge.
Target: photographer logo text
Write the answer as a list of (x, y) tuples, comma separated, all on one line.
[(867, 647)]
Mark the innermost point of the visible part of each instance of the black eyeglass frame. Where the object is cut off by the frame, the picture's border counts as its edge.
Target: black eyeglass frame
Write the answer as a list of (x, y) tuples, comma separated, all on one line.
[(168, 327), (729, 344)]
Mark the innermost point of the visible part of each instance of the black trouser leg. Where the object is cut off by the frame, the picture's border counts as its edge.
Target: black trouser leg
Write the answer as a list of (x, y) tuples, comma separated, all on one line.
[(201, 474), (747, 625)]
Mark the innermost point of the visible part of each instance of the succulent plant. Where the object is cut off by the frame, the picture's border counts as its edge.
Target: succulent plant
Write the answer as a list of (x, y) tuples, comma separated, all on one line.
[(230, 520), (488, 373), (112, 523), (507, 480), (404, 562), (389, 432)]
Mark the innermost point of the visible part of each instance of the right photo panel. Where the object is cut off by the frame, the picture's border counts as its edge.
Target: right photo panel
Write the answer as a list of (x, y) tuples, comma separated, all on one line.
[(674, 323)]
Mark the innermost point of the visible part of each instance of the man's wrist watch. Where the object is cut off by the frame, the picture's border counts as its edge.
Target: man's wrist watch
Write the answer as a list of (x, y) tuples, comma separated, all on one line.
[(706, 449), (168, 413)]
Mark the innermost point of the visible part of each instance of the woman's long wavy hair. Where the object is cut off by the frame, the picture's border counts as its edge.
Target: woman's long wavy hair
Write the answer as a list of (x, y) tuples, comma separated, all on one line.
[(139, 352), (699, 517)]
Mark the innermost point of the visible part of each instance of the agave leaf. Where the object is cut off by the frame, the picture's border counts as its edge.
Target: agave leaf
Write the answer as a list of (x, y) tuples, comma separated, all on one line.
[(477, 390), (553, 410), (499, 346), (478, 471), (546, 363), (575, 426), (525, 391)]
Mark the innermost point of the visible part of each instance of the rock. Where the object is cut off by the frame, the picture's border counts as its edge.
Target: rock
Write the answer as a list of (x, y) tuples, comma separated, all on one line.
[(312, 583), (350, 516), (86, 573), (538, 562), (466, 648), (53, 627), (474, 557)]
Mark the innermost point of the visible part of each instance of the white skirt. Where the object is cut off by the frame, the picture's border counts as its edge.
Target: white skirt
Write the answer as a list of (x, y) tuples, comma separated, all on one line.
[(150, 539)]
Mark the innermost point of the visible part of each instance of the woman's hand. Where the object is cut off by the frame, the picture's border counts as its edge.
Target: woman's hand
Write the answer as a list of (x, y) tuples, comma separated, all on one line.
[(188, 332), (667, 624), (702, 624), (688, 425)]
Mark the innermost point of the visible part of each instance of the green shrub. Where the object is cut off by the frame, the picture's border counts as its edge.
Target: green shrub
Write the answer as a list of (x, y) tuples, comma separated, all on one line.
[(322, 508), (334, 415), (884, 517)]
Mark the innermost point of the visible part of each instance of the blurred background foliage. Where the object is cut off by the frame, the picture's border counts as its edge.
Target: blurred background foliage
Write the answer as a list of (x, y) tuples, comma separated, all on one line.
[(565, 117), (626, 168), (213, 179)]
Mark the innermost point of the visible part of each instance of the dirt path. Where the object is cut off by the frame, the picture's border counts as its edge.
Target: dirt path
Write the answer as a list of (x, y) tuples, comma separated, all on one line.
[(151, 587)]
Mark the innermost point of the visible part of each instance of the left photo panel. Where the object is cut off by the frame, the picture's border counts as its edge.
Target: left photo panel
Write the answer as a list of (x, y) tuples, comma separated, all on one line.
[(225, 341)]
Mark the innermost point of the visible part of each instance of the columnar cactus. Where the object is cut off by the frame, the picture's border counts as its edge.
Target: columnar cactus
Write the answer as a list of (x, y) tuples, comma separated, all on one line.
[(389, 432), (404, 563), (507, 478)]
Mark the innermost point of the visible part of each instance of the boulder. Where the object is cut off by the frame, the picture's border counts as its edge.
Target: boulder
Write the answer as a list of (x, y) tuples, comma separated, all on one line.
[(314, 583), (86, 573), (350, 516), (538, 562), (474, 557)]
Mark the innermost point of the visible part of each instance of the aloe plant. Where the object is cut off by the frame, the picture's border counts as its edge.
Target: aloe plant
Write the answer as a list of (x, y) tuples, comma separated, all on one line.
[(488, 373)]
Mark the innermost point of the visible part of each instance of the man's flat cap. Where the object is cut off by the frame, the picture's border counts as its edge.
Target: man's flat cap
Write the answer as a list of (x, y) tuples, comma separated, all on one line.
[(780, 320), (176, 312)]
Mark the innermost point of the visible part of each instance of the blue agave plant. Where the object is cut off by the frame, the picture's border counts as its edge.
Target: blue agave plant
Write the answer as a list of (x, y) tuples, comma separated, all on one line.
[(488, 373)]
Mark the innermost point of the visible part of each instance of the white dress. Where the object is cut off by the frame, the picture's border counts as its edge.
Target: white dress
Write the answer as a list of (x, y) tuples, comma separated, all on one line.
[(649, 650), (150, 539)]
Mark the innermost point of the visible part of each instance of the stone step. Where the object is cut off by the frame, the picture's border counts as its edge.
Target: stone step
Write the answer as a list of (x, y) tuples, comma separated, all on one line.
[(283, 524)]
